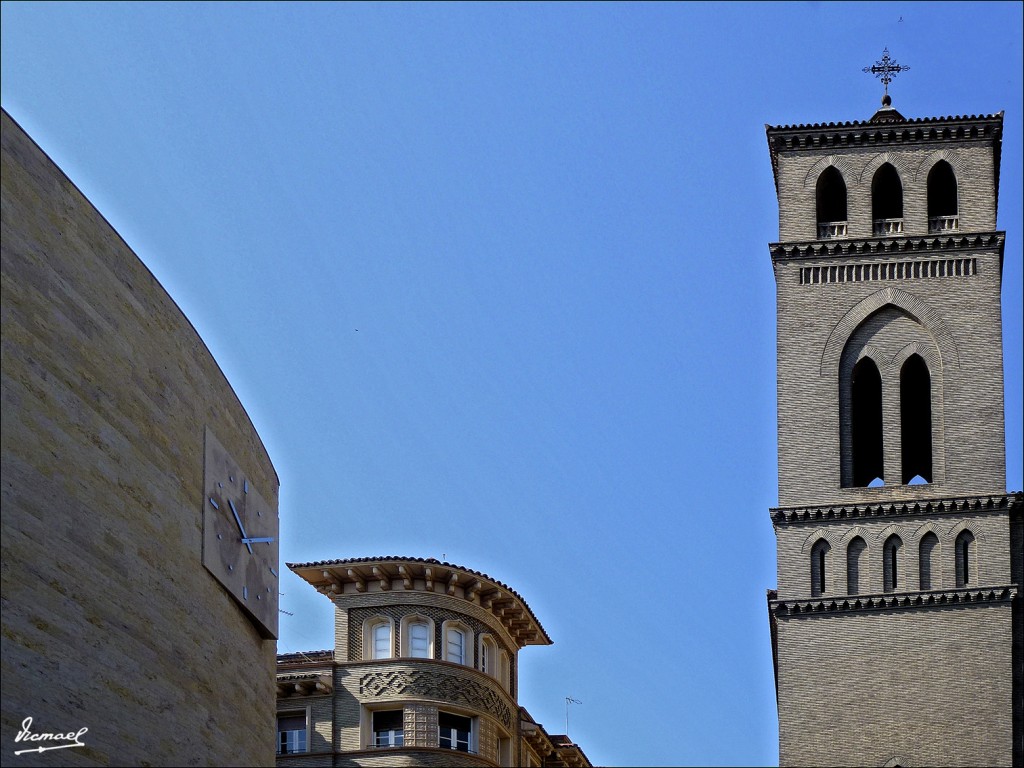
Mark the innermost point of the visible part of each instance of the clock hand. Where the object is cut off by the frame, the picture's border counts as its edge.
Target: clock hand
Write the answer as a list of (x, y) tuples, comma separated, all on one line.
[(238, 520), (258, 539)]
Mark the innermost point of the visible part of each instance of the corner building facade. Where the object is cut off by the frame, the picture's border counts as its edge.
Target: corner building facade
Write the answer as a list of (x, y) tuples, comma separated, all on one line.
[(423, 672), (896, 623)]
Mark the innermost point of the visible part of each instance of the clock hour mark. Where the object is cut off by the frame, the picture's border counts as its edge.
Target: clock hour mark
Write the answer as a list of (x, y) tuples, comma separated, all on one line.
[(231, 567), (231, 478), (245, 593), (273, 572), (215, 504), (220, 484), (220, 535), (245, 486), (259, 597)]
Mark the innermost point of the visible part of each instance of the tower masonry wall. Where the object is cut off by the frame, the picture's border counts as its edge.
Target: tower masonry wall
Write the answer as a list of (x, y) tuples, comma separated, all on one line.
[(799, 169), (901, 687), (960, 314), (991, 564)]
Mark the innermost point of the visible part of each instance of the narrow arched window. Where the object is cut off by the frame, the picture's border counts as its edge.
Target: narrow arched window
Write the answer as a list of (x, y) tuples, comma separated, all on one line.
[(830, 203), (943, 207), (854, 550), (504, 671), (892, 560), (819, 567), (916, 420), (458, 643), (926, 560), (866, 423), (887, 201), (488, 656), (965, 559)]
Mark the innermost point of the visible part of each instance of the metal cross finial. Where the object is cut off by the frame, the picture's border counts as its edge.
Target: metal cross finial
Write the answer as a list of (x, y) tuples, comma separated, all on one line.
[(886, 69)]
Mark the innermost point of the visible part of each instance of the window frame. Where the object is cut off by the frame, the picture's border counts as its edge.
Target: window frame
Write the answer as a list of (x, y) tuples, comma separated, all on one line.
[(487, 655), (302, 712), (855, 559), (965, 553), (929, 562), (392, 732), (406, 647), (819, 567), (894, 571), (471, 734), (370, 626), (454, 625)]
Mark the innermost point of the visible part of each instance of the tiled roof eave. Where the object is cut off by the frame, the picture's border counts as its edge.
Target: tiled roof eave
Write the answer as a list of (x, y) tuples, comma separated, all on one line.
[(529, 628)]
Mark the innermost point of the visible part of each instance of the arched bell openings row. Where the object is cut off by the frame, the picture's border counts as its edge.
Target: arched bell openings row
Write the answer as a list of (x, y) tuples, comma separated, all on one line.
[(831, 201), (894, 564), (867, 436)]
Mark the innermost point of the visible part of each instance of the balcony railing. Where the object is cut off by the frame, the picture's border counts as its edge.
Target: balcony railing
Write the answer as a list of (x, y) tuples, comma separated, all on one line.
[(888, 226), (943, 223), (830, 229)]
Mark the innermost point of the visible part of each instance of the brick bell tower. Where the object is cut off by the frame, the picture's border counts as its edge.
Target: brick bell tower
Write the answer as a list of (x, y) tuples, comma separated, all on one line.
[(897, 624)]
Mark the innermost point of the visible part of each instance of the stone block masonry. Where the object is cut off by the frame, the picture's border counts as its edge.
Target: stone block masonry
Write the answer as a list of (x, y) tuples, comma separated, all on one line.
[(110, 621)]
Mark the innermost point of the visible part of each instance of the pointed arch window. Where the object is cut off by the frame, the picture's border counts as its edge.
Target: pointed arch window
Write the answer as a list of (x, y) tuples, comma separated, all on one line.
[(819, 567), (966, 564), (892, 564), (927, 556), (866, 423), (854, 551), (916, 419), (887, 201), (830, 203), (943, 206)]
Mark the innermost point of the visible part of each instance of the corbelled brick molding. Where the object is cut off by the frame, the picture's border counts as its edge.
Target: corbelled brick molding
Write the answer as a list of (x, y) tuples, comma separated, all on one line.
[(944, 598), (886, 247), (815, 514)]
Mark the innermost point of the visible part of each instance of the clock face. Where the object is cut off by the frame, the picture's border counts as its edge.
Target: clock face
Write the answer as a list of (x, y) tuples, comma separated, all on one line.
[(240, 533)]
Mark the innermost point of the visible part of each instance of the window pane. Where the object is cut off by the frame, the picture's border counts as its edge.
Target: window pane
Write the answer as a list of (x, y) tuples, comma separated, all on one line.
[(381, 641), (419, 641), (456, 646)]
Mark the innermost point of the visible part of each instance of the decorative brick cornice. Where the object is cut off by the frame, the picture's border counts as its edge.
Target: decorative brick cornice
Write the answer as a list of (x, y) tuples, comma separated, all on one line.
[(437, 685), (886, 247), (1003, 593), (782, 516)]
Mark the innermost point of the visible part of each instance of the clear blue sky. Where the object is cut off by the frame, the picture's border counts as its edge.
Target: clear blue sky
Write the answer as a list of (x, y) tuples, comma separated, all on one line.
[(493, 283)]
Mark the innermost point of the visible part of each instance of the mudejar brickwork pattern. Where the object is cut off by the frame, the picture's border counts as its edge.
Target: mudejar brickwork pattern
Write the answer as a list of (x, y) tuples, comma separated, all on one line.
[(896, 623)]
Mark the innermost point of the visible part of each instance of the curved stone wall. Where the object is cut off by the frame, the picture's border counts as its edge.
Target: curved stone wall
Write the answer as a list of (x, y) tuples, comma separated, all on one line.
[(110, 620)]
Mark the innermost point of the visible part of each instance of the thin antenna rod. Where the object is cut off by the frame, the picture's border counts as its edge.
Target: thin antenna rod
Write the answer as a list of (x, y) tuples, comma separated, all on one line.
[(569, 700)]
